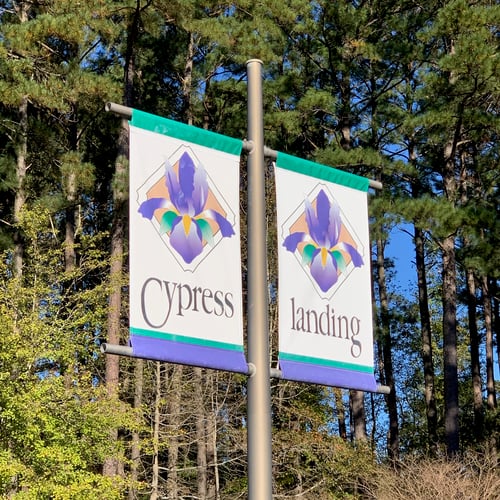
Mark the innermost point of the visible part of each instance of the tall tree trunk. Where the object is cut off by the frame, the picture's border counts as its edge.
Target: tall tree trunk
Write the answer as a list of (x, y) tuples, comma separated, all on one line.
[(21, 152), (339, 405), (120, 196), (449, 293), (21, 169), (450, 346), (201, 445), (345, 120), (491, 400), (358, 417), (135, 451), (385, 338), (205, 435), (156, 435), (356, 398), (22, 10), (187, 80), (373, 415), (69, 183), (426, 334), (173, 426), (425, 317), (69, 239), (474, 354), (112, 372), (496, 315), (70, 189), (211, 433)]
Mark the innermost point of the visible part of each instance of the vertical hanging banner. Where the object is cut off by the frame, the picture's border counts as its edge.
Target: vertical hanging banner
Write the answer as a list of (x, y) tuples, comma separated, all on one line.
[(325, 306), (185, 261)]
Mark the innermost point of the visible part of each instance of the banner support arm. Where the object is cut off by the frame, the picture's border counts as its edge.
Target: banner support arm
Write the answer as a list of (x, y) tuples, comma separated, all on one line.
[(126, 112), (119, 109)]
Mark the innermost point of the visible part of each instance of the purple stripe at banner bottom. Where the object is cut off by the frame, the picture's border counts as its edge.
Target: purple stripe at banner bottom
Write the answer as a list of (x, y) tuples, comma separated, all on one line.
[(324, 375), (188, 354)]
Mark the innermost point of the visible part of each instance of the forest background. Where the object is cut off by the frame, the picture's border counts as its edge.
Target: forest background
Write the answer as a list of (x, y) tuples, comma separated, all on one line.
[(404, 92)]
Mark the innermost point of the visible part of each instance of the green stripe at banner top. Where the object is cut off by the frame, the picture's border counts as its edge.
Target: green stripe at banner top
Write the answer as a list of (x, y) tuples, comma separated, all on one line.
[(185, 132), (319, 171)]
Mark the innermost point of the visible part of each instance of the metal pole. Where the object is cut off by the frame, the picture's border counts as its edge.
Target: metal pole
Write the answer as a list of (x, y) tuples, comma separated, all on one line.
[(259, 386), (120, 350), (119, 109)]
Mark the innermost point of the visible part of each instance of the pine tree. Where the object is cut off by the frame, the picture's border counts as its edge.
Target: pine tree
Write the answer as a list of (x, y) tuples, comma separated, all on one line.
[(462, 53)]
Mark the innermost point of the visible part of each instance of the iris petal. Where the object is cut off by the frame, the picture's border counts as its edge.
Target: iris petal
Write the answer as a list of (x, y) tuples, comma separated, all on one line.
[(357, 260), (176, 193), (206, 231), (339, 259), (186, 175), (323, 217), (200, 191), (167, 221), (225, 226), (308, 253), (148, 207), (325, 275), (292, 240), (312, 223), (189, 245), (335, 224), (172, 183)]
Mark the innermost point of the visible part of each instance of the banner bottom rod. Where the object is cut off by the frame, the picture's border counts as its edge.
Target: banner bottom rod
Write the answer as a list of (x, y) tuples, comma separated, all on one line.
[(124, 350)]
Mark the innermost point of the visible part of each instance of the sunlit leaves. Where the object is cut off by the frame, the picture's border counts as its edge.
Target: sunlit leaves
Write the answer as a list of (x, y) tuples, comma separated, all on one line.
[(55, 417)]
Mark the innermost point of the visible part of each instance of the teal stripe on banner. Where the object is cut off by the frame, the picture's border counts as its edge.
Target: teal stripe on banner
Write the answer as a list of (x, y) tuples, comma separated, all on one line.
[(185, 132), (185, 340), (325, 362), (330, 174)]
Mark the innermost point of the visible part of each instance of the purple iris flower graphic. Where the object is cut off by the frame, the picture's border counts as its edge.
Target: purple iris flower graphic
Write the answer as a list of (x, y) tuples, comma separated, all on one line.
[(186, 218), (323, 251)]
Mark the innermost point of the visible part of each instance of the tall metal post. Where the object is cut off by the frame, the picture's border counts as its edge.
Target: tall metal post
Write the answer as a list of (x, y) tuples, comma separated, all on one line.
[(259, 385)]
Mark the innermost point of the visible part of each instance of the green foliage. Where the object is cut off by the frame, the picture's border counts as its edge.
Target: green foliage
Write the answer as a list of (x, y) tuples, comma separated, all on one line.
[(308, 458), (60, 436), (55, 417)]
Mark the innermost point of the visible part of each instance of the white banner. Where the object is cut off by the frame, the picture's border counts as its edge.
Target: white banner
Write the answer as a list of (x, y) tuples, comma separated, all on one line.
[(325, 306), (185, 270)]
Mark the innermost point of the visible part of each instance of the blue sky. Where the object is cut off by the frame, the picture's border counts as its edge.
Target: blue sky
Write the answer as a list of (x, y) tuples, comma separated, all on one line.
[(401, 250)]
